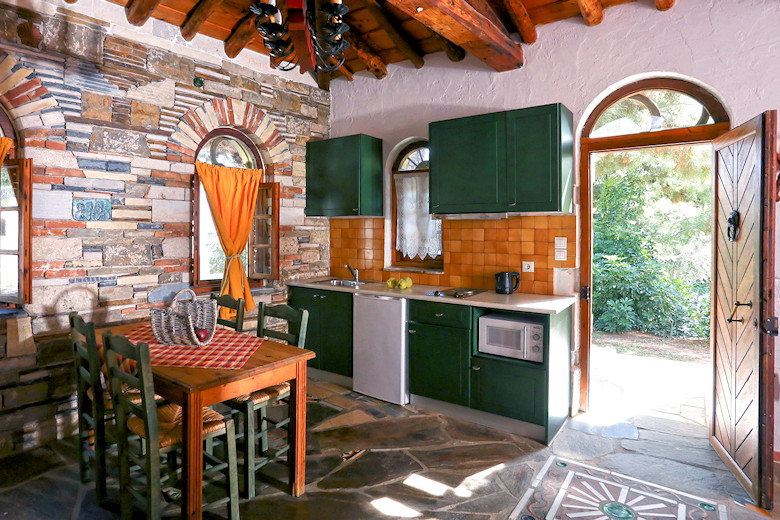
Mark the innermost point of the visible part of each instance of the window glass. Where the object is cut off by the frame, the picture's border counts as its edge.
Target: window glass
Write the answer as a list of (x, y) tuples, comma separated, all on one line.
[(649, 111), (416, 159), (224, 151), (12, 232)]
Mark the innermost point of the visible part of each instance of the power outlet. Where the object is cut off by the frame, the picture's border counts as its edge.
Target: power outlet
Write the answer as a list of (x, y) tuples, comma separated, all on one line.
[(528, 267)]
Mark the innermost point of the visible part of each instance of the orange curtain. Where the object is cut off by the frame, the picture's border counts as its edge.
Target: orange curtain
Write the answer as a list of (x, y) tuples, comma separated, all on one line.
[(5, 146), (232, 196)]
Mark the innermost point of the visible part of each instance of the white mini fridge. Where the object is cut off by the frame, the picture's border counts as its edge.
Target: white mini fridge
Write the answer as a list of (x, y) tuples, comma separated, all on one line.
[(380, 357)]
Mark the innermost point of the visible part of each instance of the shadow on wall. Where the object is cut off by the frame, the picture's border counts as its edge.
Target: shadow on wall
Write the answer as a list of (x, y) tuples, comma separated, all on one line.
[(51, 305)]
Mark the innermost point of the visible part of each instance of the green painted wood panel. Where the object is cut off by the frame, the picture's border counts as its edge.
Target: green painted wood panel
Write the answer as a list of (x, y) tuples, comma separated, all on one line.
[(468, 164), (303, 298), (439, 362), (435, 313), (336, 341), (508, 387), (344, 176)]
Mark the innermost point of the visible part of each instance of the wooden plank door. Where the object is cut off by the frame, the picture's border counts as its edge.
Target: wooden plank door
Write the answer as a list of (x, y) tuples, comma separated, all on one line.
[(743, 303)]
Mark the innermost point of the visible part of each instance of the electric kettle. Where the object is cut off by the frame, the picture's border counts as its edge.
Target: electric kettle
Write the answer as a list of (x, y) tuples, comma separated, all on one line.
[(504, 283)]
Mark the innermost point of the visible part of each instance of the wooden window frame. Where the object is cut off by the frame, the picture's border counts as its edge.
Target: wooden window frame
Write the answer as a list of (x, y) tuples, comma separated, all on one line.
[(671, 137), (206, 286), (398, 259)]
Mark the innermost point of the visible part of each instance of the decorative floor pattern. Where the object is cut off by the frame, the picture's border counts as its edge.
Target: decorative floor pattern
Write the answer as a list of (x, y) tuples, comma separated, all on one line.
[(568, 490)]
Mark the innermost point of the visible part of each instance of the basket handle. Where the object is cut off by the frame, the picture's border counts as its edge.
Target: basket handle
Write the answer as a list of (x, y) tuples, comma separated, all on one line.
[(178, 294)]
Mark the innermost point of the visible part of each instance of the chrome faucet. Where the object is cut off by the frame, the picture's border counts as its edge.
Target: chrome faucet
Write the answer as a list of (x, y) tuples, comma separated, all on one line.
[(354, 272)]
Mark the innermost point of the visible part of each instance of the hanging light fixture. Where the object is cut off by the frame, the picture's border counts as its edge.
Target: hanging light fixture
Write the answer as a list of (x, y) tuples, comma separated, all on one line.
[(307, 38)]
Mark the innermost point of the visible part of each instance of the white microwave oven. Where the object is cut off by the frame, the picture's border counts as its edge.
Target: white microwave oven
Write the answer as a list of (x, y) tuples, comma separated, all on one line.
[(507, 336)]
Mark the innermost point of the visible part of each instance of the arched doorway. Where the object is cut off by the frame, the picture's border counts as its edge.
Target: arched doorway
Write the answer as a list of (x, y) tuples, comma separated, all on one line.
[(658, 115)]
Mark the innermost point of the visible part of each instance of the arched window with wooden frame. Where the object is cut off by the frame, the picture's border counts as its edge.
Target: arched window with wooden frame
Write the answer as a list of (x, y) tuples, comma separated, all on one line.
[(417, 241), (631, 118), (231, 148), (15, 221)]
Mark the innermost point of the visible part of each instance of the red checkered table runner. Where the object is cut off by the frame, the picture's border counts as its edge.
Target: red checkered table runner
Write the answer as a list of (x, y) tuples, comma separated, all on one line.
[(229, 349)]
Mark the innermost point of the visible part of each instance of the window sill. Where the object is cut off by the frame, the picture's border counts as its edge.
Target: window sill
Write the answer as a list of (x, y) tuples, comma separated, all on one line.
[(421, 270)]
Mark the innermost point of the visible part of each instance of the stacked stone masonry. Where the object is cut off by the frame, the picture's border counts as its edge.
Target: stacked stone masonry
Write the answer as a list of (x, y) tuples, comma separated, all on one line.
[(110, 119)]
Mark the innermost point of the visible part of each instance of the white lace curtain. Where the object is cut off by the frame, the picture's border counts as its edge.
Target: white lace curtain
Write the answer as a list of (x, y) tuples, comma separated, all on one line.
[(417, 233)]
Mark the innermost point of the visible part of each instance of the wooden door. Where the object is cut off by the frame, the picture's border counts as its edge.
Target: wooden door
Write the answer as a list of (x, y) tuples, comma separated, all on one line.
[(439, 362), (743, 303)]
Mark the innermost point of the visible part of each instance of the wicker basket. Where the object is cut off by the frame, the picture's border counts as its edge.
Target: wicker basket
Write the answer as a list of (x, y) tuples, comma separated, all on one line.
[(176, 325)]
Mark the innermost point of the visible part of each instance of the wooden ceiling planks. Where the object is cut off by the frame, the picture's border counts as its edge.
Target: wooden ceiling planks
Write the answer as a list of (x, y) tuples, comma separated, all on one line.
[(392, 31)]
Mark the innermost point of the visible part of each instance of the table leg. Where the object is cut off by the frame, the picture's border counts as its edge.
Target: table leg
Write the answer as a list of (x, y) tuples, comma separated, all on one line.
[(296, 462), (192, 457)]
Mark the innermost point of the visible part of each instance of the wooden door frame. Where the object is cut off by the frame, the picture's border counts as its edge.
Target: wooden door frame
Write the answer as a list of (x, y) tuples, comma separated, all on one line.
[(677, 136)]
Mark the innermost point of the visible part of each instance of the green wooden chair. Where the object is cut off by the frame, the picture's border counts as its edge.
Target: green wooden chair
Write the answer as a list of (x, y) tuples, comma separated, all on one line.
[(93, 412), (147, 420), (231, 303), (253, 440)]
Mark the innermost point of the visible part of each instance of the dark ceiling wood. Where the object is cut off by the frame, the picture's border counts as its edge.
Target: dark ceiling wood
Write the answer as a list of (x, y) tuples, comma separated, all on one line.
[(383, 32)]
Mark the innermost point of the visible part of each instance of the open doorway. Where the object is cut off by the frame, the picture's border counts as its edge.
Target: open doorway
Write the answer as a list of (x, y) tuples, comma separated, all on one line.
[(652, 263)]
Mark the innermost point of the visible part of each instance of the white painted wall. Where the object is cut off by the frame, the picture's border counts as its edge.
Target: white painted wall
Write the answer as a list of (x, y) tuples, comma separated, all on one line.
[(731, 46)]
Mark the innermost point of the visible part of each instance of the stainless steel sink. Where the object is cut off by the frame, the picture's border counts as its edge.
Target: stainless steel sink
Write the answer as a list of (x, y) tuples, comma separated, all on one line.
[(342, 283)]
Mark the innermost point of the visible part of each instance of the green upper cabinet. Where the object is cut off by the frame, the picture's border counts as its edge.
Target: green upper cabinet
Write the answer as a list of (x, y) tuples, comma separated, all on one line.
[(516, 161), (344, 177), (468, 164)]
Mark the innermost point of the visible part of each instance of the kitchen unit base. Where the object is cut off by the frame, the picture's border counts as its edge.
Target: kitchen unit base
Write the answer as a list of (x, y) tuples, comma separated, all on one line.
[(505, 424), (330, 377)]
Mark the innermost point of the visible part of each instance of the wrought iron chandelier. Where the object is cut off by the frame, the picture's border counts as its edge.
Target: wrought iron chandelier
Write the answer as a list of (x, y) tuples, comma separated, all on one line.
[(307, 37)]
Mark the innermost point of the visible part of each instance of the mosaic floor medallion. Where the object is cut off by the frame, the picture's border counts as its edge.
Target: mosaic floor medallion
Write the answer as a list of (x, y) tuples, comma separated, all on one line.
[(567, 490)]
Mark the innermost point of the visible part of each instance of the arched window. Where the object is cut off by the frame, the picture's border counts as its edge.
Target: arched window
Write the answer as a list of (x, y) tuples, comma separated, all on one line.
[(416, 235), (662, 114), (15, 222), (231, 148)]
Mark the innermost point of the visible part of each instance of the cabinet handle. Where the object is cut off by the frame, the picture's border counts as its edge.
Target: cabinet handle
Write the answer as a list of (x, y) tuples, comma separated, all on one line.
[(475, 369), (323, 296), (435, 205), (412, 331), (354, 209), (438, 314), (513, 204), (316, 295)]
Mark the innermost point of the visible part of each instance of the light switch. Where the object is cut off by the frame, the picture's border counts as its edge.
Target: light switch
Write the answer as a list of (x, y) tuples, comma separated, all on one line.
[(560, 254), (560, 243), (528, 267)]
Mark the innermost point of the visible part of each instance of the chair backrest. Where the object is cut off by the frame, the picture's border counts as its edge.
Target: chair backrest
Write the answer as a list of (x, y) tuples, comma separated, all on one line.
[(86, 360), (297, 323), (118, 348), (229, 302)]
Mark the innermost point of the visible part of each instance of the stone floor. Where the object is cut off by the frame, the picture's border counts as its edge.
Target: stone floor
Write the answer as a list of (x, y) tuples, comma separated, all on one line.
[(416, 464)]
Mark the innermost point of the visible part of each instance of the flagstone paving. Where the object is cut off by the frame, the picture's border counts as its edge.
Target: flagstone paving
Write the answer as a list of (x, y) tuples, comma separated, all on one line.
[(367, 459)]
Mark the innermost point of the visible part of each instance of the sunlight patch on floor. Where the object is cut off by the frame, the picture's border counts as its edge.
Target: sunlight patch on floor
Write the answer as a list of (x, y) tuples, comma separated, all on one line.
[(389, 507)]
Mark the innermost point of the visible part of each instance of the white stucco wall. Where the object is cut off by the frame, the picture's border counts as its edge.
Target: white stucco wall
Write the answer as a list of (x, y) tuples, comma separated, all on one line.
[(731, 46)]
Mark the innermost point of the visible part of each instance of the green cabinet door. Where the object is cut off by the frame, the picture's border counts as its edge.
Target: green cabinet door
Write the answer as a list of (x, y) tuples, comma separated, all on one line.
[(329, 333), (539, 159), (439, 362), (344, 177), (336, 332), (468, 164), (509, 388)]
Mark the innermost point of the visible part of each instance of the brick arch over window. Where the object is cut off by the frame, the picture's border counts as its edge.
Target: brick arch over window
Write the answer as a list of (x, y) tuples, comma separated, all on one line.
[(254, 122)]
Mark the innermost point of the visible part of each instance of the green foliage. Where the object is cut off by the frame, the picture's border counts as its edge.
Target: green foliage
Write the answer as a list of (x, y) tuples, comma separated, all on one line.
[(651, 245)]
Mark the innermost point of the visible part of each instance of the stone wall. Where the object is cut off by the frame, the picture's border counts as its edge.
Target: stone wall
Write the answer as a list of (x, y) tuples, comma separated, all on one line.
[(107, 118)]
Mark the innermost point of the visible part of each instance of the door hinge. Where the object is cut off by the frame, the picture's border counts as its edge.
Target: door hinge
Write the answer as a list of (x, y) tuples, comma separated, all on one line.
[(585, 293), (770, 326)]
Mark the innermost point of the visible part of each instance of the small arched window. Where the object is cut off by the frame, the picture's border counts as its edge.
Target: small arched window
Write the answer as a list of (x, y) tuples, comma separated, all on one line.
[(416, 234), (230, 148)]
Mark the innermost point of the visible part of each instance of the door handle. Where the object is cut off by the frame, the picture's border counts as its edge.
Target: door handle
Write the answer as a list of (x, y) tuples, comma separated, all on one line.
[(475, 369), (737, 305), (412, 331), (438, 314)]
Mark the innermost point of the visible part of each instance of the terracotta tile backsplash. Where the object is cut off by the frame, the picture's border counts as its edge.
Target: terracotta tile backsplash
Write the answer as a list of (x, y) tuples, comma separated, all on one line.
[(474, 250)]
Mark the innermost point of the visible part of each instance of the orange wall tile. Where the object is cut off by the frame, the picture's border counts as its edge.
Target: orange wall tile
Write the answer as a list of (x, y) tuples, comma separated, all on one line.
[(474, 250)]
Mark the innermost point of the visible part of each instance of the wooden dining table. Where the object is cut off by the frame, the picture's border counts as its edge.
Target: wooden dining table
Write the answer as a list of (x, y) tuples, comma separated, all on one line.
[(193, 388)]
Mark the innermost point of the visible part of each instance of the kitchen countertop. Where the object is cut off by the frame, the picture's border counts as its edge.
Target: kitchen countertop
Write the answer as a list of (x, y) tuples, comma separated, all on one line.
[(521, 302)]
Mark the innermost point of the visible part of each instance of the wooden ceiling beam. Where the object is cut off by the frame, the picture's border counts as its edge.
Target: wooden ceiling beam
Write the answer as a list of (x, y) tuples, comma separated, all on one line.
[(139, 11), (196, 17), (525, 26), (462, 24), (454, 52), (366, 54), (393, 32), (592, 11), (241, 36), (664, 5)]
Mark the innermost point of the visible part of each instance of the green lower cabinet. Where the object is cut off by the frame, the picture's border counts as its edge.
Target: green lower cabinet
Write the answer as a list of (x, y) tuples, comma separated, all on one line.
[(509, 388), (329, 333), (439, 362)]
